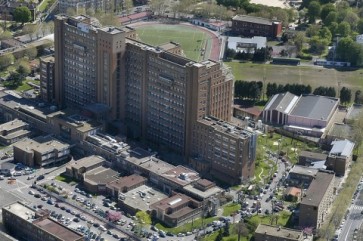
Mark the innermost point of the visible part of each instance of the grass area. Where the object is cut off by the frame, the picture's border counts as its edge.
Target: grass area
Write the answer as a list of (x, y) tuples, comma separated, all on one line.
[(197, 223), (63, 178), (262, 170), (312, 75), (43, 5), (191, 40), (231, 208)]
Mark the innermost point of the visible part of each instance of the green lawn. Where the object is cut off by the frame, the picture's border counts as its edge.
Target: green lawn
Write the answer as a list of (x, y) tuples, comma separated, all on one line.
[(191, 40), (283, 74), (231, 208), (63, 178), (43, 5), (197, 223)]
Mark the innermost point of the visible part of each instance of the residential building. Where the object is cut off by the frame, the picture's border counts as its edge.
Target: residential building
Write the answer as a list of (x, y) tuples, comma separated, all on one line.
[(176, 210), (249, 26), (47, 85), (124, 184), (266, 232), (77, 168), (340, 156), (223, 151), (301, 176), (308, 158), (41, 151), (317, 200), (13, 131), (25, 223), (139, 199), (304, 115), (96, 180)]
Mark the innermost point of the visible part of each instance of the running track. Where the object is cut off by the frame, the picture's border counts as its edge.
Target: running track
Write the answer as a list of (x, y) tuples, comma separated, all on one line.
[(215, 45)]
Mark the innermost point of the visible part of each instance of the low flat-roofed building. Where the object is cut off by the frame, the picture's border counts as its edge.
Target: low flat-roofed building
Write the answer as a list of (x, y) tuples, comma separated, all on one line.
[(124, 184), (266, 232), (71, 125), (95, 180), (139, 199), (242, 112), (177, 178), (340, 156), (41, 151), (13, 131), (246, 45), (307, 158), (301, 176), (176, 210), (143, 162), (317, 200), (202, 189), (26, 223), (76, 168), (7, 168)]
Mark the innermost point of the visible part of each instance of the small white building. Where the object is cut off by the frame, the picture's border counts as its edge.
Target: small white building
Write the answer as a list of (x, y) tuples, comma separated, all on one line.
[(247, 45)]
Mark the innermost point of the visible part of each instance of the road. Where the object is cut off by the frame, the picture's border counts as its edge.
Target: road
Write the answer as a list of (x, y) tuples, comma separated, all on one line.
[(354, 218)]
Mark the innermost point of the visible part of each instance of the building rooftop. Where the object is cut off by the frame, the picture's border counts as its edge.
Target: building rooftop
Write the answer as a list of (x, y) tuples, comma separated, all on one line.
[(142, 197), (202, 194), (293, 191), (42, 144), (108, 143), (169, 46), (145, 159), (317, 189), (314, 107), (227, 128), (58, 230), (7, 198), (240, 44), (177, 200), (86, 162), (181, 175), (303, 170), (11, 125), (282, 102), (280, 232), (252, 19), (342, 148), (49, 58), (101, 175), (128, 181), (313, 155)]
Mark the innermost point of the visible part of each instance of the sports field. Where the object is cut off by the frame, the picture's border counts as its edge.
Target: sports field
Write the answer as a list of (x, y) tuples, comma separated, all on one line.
[(313, 75), (196, 44)]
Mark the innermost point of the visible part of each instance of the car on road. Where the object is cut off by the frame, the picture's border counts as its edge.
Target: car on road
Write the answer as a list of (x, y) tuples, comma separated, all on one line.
[(40, 177), (31, 192), (76, 219)]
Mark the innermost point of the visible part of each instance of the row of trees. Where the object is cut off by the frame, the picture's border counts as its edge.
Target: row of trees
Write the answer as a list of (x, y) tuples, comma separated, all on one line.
[(258, 55), (253, 89)]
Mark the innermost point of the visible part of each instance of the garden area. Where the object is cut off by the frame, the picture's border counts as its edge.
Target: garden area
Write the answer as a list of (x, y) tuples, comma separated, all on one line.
[(188, 227)]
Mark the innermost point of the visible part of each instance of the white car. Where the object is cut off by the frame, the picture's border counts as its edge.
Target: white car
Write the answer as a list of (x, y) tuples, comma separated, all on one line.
[(31, 192)]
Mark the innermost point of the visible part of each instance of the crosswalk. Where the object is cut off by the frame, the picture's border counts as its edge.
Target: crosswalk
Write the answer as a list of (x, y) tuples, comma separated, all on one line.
[(356, 207)]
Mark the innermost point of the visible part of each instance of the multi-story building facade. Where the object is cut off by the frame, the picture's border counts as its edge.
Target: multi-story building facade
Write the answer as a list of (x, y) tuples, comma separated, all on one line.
[(158, 94), (76, 5), (47, 92), (317, 200), (249, 26)]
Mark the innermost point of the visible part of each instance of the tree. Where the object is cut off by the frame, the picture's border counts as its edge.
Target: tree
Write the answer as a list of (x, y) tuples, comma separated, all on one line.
[(325, 33), (226, 230), (358, 97), (345, 95), (314, 11), (219, 236), (313, 30), (158, 6), (5, 35), (6, 60), (30, 29), (298, 40), (128, 5), (350, 51), (24, 68), (333, 28), (31, 53), (143, 217), (352, 18), (332, 17), (113, 216), (22, 14), (326, 9), (360, 26), (344, 29), (318, 44)]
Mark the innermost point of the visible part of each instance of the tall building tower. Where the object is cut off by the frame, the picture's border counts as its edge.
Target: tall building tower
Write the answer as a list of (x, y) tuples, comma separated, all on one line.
[(162, 97), (89, 61), (47, 91)]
